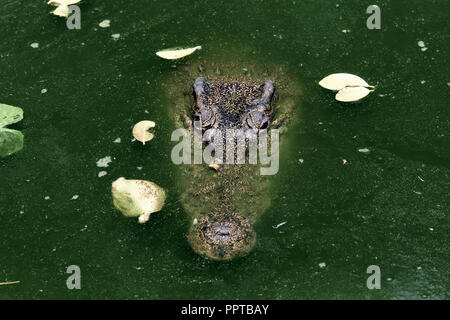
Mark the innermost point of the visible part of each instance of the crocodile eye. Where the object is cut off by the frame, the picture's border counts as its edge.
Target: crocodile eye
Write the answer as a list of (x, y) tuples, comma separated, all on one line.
[(257, 120), (206, 116), (264, 125)]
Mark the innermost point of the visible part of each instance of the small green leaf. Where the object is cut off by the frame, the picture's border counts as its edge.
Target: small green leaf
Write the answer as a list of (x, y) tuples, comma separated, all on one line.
[(11, 141), (9, 115)]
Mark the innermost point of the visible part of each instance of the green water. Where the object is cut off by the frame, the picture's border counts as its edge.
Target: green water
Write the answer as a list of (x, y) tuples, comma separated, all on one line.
[(375, 210)]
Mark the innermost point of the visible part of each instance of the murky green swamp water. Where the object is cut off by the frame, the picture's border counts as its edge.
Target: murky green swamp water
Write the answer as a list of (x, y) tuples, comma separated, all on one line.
[(389, 207)]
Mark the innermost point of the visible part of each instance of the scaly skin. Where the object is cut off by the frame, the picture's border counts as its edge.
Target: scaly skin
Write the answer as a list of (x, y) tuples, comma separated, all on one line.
[(223, 232)]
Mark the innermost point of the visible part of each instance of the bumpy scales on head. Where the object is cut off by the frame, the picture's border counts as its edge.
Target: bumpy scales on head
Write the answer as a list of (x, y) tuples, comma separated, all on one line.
[(232, 106), (224, 233)]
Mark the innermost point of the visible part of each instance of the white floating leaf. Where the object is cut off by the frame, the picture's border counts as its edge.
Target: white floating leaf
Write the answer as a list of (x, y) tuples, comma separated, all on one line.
[(337, 81), (104, 162), (105, 23), (137, 198), (141, 133), (176, 53), (63, 2), (350, 94), (62, 11)]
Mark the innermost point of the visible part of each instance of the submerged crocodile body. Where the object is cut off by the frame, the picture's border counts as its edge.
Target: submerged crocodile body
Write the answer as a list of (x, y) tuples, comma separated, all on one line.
[(224, 232), (231, 91)]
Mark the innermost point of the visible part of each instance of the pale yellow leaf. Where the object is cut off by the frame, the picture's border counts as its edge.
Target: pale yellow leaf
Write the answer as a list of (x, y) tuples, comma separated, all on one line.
[(63, 2), (62, 11), (350, 94), (172, 54), (337, 81), (141, 133)]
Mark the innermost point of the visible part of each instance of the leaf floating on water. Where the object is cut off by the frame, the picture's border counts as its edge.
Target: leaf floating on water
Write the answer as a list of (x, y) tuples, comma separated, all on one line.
[(280, 224), (351, 94), (137, 198), (176, 53), (62, 11), (9, 115), (63, 2), (105, 23), (8, 283), (141, 133), (338, 81), (11, 141)]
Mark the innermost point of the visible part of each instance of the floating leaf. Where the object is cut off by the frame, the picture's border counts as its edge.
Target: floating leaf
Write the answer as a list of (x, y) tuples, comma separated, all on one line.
[(62, 11), (350, 94), (9, 115), (338, 81), (141, 133), (11, 141), (176, 53), (137, 198), (63, 2), (105, 24)]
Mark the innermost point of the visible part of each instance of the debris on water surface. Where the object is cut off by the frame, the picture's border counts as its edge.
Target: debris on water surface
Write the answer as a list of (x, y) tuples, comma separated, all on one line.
[(34, 45), (280, 224), (62, 9), (137, 198), (118, 140), (8, 283), (105, 24), (141, 133), (104, 162), (102, 174), (63, 2), (364, 150), (75, 197), (322, 265), (44, 91), (176, 53), (116, 36), (349, 86), (338, 81), (11, 141), (344, 162), (421, 44), (351, 94)]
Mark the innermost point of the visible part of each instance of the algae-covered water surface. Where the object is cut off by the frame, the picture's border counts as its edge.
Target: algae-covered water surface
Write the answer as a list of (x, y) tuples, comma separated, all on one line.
[(358, 185)]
